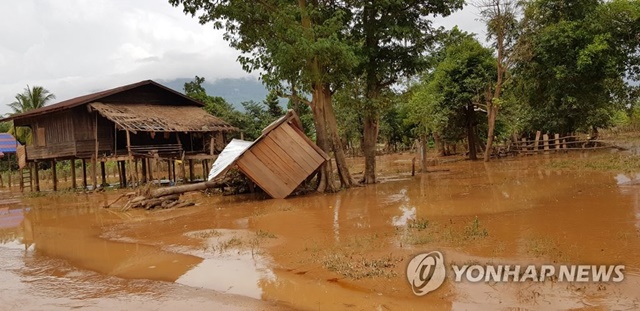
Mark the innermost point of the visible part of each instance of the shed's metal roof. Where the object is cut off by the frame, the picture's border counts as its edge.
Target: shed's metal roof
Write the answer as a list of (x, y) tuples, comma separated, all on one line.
[(155, 118)]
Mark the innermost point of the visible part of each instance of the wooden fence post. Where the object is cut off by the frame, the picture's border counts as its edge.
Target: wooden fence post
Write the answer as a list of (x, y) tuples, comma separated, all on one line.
[(556, 141), (545, 142), (537, 142)]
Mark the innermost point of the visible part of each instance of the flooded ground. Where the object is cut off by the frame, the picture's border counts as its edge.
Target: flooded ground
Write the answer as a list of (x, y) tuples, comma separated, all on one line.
[(343, 251)]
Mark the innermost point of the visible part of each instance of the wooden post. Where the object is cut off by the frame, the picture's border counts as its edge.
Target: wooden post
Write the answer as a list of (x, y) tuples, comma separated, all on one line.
[(135, 166), (190, 170), (524, 145), (413, 166), (556, 141), (36, 175), (94, 159), (150, 166), (545, 142), (94, 172), (173, 171), (537, 142), (10, 171), (84, 174), (212, 144), (74, 185), (169, 170), (123, 176), (54, 175), (564, 144), (103, 173), (144, 170), (206, 169), (129, 151)]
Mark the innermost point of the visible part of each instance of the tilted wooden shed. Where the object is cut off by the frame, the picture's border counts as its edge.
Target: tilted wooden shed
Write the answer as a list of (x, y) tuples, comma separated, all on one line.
[(278, 161)]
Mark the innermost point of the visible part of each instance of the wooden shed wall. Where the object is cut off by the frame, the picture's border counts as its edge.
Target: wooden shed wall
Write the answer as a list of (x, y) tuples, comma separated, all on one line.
[(84, 125), (68, 133), (53, 136), (280, 161)]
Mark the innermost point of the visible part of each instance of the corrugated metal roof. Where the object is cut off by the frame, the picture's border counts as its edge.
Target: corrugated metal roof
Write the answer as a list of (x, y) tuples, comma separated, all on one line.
[(89, 98), (155, 118), (8, 143)]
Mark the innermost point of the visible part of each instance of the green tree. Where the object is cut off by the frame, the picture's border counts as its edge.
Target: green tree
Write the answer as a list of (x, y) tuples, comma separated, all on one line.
[(214, 105), (391, 37), (581, 56), (273, 105), (31, 98), (502, 25), (301, 41), (445, 102)]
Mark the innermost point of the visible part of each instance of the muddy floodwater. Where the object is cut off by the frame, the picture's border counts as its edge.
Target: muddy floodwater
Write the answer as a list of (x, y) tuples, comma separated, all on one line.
[(342, 251)]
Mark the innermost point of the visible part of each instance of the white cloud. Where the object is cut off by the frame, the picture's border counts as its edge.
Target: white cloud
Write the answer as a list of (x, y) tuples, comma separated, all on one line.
[(73, 47)]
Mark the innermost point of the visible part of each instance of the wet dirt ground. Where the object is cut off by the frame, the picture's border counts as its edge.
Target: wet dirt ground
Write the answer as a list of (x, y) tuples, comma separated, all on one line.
[(342, 251)]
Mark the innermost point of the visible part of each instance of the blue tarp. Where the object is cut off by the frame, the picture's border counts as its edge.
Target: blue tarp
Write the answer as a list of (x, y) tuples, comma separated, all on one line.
[(7, 143)]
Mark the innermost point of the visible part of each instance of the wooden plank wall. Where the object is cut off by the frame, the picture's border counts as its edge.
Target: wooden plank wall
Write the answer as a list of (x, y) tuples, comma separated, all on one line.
[(280, 161)]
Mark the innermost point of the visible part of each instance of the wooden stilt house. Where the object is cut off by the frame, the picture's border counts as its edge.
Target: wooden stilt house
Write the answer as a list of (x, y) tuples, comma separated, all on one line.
[(132, 123)]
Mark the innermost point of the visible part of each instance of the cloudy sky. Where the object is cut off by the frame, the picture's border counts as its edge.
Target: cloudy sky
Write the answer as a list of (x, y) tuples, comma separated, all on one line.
[(74, 47)]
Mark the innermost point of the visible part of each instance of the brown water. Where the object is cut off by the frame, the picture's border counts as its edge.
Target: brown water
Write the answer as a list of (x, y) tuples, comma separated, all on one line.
[(344, 251)]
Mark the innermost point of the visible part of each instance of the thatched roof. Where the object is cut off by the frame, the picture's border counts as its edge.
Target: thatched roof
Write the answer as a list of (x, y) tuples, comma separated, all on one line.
[(156, 118)]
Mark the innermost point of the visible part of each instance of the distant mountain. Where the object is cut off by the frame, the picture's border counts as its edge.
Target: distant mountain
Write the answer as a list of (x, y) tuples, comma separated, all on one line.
[(234, 91)]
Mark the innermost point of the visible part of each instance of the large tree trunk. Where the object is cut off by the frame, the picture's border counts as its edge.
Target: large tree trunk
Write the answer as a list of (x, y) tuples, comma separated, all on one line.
[(370, 137), (471, 136), (491, 115), (325, 173), (332, 130), (328, 140)]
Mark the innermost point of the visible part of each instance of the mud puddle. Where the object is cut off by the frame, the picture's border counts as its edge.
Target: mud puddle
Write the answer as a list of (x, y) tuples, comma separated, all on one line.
[(343, 251)]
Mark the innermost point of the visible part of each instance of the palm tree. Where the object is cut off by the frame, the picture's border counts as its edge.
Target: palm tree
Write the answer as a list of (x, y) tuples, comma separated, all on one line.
[(31, 98)]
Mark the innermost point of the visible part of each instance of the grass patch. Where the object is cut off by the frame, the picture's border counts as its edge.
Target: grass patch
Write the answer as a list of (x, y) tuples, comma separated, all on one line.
[(418, 224), (261, 234), (617, 162), (544, 247), (421, 232), (359, 267), (474, 230), (205, 234)]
